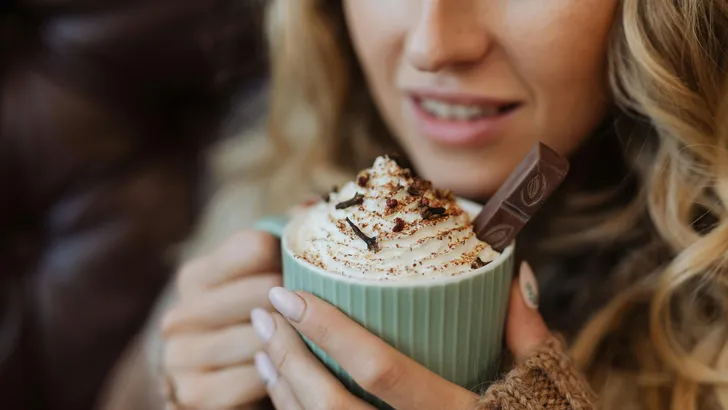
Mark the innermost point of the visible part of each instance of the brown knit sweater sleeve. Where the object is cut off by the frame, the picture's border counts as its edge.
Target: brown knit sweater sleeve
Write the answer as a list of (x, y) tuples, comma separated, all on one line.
[(547, 380)]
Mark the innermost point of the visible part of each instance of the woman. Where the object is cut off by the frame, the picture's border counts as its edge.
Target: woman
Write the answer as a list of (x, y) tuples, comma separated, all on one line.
[(629, 255)]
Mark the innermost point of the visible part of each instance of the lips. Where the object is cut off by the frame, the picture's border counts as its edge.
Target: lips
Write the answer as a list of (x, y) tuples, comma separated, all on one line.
[(460, 119), (460, 112)]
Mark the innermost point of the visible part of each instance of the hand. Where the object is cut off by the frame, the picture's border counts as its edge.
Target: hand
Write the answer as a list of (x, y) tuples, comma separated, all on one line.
[(295, 379), (209, 341)]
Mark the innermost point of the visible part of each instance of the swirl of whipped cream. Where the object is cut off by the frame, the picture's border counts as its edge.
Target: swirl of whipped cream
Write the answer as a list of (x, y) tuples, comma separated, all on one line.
[(387, 225)]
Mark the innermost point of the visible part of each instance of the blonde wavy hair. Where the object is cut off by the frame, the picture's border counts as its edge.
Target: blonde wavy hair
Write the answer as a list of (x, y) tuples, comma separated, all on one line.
[(667, 72)]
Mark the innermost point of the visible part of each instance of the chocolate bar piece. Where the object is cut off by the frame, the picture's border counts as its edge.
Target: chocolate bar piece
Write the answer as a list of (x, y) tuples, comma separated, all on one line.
[(520, 196)]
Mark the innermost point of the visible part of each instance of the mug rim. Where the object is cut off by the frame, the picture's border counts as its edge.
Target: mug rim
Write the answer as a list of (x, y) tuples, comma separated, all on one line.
[(471, 207)]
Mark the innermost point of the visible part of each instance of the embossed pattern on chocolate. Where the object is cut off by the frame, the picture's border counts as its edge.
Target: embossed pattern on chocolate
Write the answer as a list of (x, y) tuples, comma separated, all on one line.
[(521, 195)]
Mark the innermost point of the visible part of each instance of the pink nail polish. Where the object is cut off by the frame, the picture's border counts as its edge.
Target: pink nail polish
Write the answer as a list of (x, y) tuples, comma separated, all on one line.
[(262, 324), (288, 303), (266, 368)]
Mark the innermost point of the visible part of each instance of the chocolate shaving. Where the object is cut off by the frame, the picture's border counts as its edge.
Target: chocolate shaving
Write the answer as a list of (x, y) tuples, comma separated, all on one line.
[(419, 186), (371, 242), (357, 200), (478, 263), (429, 212), (398, 225), (414, 191), (362, 180), (392, 203)]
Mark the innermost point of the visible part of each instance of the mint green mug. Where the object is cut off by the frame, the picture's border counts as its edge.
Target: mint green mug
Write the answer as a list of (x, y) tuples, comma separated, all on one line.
[(452, 325)]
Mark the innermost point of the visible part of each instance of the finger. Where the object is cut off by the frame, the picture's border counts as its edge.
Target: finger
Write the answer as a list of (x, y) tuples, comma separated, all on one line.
[(246, 253), (525, 328), (376, 366), (312, 384), (224, 306), (279, 390), (223, 389), (229, 346)]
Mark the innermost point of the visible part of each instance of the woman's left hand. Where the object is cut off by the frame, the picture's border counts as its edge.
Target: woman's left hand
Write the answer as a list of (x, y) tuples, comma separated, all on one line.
[(295, 378)]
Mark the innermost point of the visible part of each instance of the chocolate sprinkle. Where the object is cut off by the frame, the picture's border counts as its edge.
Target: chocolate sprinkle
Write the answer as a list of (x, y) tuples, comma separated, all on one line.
[(362, 180), (419, 186), (392, 203), (398, 225), (357, 200), (371, 242), (414, 191), (429, 212), (478, 263)]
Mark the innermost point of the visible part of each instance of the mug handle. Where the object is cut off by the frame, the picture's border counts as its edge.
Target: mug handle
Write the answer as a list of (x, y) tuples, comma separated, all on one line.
[(274, 225)]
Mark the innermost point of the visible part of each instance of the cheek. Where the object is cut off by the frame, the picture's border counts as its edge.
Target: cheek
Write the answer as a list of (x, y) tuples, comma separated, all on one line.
[(377, 36), (560, 39), (378, 30), (558, 51)]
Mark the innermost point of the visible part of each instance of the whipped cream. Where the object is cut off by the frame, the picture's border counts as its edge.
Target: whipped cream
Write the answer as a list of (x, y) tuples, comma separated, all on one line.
[(389, 225)]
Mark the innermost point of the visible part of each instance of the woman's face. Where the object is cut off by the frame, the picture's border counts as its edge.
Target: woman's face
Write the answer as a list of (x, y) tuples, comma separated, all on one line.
[(469, 86)]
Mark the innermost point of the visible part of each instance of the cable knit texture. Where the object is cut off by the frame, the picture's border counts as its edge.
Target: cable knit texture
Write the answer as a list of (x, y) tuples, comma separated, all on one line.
[(547, 380)]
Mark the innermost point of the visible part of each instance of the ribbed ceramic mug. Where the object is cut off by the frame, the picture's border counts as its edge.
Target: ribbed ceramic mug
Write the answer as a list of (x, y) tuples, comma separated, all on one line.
[(452, 325)]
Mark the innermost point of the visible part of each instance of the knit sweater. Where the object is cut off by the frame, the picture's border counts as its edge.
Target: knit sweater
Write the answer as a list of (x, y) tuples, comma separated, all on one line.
[(545, 381)]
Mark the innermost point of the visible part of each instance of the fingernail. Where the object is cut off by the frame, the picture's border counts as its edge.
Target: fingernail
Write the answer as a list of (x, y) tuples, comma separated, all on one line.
[(266, 369), (288, 303), (262, 323), (529, 285)]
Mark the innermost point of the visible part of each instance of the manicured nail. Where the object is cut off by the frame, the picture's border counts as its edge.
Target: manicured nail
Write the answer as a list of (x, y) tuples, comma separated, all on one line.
[(266, 369), (262, 323), (288, 303), (529, 285)]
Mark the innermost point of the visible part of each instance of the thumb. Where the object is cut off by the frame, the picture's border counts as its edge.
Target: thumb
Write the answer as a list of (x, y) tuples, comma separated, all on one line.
[(525, 329)]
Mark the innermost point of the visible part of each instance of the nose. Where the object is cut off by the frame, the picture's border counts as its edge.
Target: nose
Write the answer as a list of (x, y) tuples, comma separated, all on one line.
[(447, 33)]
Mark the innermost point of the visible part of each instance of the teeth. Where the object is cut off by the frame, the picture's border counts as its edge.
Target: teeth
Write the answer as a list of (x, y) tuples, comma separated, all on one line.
[(459, 112)]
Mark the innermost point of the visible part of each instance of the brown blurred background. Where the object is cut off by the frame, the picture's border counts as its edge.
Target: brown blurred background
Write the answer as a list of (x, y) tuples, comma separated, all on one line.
[(105, 110)]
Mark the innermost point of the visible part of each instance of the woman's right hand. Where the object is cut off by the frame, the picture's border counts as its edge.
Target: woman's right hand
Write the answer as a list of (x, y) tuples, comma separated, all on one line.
[(209, 341)]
